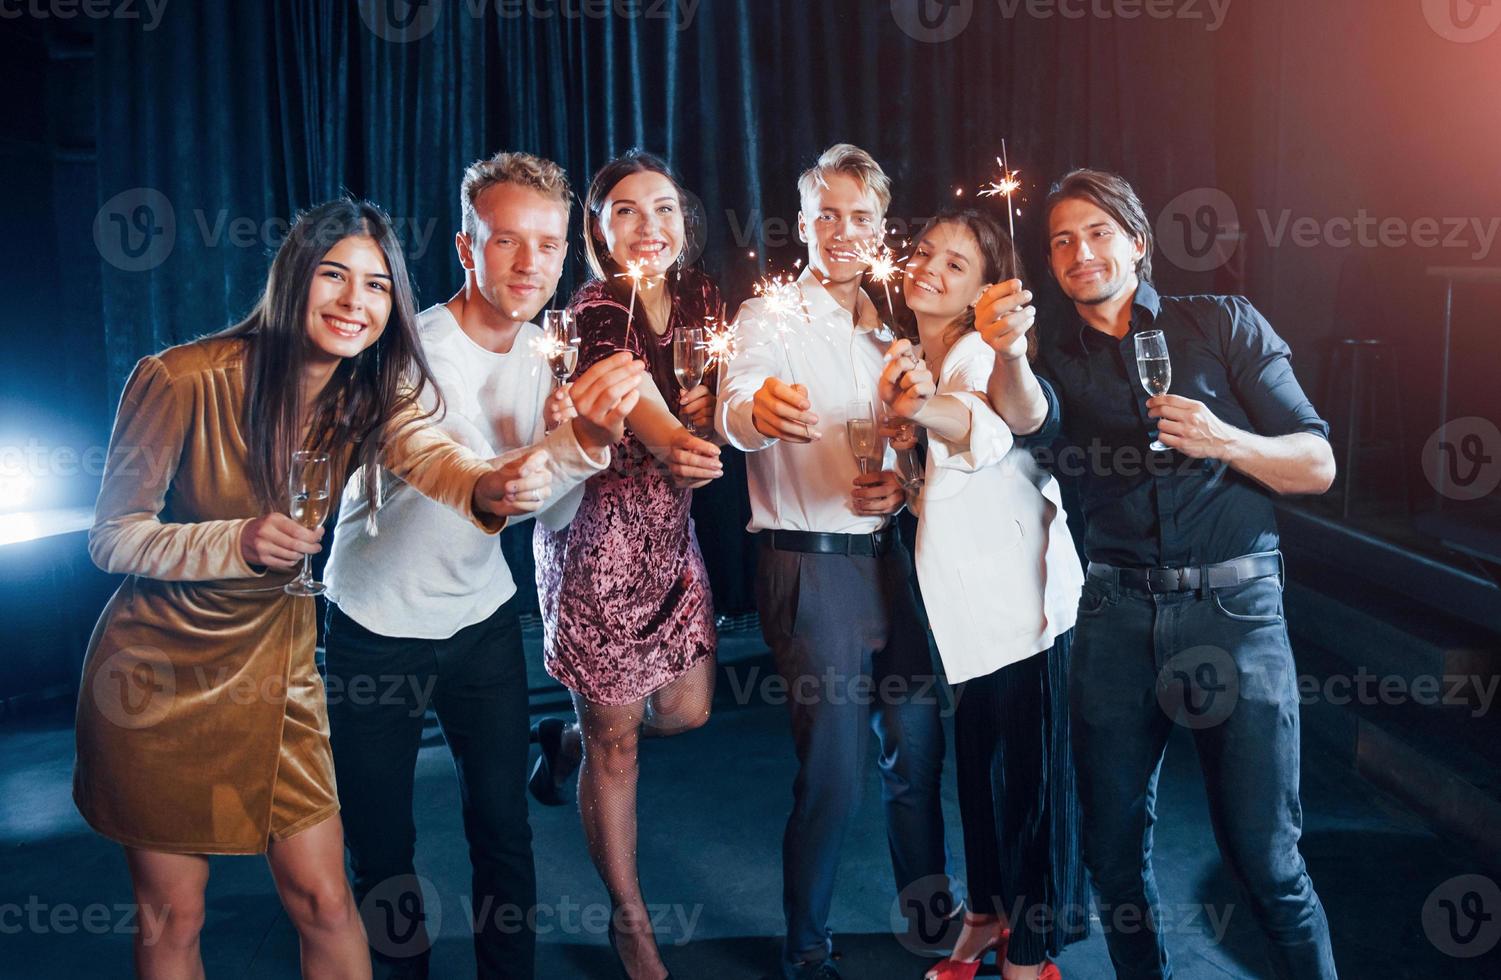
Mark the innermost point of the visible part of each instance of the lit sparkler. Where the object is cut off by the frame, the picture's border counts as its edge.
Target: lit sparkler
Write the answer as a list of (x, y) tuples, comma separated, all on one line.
[(783, 302), (722, 342), (635, 271), (883, 266), (1005, 186), (548, 347)]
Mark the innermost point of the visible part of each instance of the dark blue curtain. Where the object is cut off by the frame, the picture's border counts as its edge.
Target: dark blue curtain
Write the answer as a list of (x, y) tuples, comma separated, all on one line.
[(214, 127)]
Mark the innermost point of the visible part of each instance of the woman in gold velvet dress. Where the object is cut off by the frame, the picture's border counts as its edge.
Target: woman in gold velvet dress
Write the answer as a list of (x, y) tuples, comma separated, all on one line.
[(202, 726)]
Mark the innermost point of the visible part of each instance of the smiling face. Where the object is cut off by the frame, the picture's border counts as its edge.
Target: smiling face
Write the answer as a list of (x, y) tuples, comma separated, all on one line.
[(1093, 258), (518, 250), (946, 273), (349, 300), (833, 220), (641, 220)]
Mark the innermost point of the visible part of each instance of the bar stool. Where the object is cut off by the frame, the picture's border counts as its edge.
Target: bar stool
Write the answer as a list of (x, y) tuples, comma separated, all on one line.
[(1363, 392)]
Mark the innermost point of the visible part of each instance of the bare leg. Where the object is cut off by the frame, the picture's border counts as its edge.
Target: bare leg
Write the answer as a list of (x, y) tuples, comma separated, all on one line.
[(169, 895), (309, 873), (607, 806)]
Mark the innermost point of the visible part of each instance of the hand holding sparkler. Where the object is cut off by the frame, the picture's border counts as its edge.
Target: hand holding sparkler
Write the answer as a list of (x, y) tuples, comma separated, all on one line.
[(781, 411), (1003, 316), (603, 396), (906, 384)]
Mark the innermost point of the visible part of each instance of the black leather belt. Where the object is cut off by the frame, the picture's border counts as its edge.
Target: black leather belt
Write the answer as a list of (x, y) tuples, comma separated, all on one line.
[(818, 543), (1191, 577)]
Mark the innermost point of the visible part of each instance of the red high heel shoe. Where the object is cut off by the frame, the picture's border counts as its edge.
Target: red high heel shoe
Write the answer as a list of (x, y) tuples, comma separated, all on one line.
[(952, 969)]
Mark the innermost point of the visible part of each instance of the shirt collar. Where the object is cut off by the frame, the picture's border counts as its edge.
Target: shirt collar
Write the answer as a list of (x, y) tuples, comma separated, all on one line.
[(821, 303), (1145, 307)]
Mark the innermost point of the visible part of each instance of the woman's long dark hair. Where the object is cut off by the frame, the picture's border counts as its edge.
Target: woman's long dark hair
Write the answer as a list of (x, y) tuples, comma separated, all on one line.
[(364, 393), (601, 264), (997, 253)]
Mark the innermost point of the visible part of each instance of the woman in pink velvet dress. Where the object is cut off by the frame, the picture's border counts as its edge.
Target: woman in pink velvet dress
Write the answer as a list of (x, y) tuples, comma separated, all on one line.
[(628, 618)]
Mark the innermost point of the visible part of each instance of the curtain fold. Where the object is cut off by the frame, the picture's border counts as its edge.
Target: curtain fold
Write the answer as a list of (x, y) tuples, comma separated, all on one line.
[(238, 115)]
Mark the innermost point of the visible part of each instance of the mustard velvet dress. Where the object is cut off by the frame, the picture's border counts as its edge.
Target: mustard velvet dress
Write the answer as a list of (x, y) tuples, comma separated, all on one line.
[(202, 726)]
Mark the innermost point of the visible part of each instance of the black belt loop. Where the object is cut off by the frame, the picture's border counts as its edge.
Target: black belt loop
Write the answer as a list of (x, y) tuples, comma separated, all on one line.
[(1205, 587)]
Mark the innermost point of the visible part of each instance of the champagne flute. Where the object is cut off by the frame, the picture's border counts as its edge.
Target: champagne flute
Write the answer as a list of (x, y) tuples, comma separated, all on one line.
[(689, 361), (898, 429), (561, 331), (1155, 368), (866, 440), (309, 488)]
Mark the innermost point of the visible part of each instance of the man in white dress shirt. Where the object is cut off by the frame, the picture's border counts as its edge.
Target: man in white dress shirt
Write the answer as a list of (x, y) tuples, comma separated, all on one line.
[(422, 606), (833, 586)]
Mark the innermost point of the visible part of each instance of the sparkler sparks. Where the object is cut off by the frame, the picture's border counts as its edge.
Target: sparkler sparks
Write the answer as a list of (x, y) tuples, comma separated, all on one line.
[(547, 348), (721, 343), (1006, 185), (635, 271), (783, 298)]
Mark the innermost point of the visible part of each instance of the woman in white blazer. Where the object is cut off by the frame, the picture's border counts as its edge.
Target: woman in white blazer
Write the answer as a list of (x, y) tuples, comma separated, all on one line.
[(1001, 582)]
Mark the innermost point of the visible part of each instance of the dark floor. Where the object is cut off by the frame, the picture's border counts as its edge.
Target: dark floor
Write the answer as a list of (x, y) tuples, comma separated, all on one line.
[(712, 807)]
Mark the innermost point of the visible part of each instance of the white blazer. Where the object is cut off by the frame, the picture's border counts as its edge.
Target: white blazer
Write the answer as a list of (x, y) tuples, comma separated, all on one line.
[(998, 570)]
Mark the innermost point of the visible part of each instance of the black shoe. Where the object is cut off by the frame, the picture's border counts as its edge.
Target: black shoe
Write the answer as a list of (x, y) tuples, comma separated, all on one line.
[(549, 779)]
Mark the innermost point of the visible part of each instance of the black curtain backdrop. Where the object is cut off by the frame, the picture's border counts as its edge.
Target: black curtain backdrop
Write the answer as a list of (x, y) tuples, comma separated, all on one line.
[(217, 125)]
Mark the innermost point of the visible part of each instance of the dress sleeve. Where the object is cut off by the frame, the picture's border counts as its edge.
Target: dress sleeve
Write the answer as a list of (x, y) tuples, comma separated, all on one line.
[(436, 466), (605, 328), (145, 451)]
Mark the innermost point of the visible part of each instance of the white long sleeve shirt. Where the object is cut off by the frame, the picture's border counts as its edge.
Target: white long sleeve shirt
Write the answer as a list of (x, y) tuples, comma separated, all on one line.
[(999, 574), (424, 572), (802, 487)]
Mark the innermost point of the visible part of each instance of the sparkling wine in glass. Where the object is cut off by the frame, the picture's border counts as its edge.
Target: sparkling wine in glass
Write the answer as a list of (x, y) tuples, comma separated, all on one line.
[(1155, 369), (689, 360), (866, 440), (309, 486), (561, 331)]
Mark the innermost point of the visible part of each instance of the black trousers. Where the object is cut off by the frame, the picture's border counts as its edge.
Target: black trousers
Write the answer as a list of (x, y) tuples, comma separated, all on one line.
[(1019, 803), (380, 688)]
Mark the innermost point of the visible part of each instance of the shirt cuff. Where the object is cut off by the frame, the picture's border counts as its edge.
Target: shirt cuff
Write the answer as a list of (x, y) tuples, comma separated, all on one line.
[(738, 429)]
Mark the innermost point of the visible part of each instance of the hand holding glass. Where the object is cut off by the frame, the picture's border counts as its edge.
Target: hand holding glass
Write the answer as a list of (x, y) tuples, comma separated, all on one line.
[(1155, 369), (689, 361), (308, 489)]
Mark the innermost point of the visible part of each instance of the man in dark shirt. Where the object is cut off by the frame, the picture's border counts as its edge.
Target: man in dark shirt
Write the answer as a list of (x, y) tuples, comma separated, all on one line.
[(1181, 617)]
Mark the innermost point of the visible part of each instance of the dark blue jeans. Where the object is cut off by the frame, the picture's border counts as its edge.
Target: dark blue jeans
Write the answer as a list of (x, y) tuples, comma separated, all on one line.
[(1220, 663), (380, 688)]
